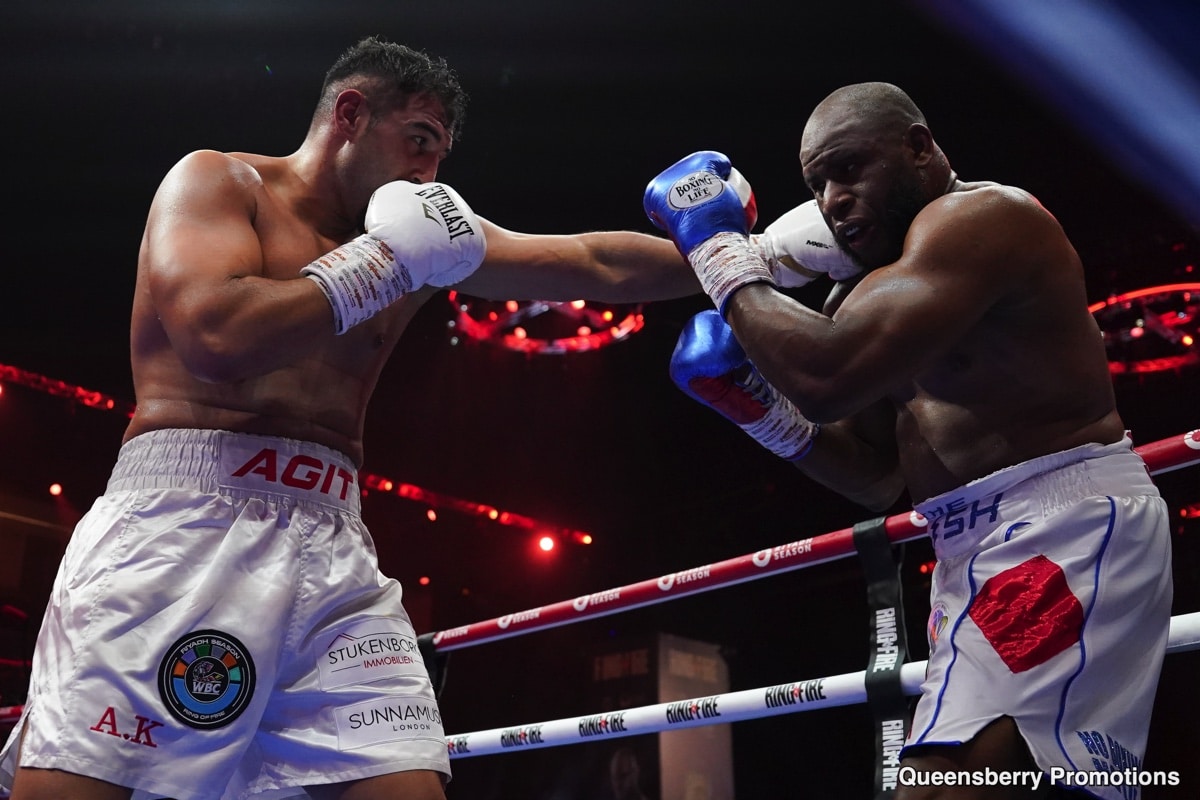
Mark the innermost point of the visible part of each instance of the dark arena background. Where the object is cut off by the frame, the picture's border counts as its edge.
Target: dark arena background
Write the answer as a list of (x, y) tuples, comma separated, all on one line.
[(497, 427)]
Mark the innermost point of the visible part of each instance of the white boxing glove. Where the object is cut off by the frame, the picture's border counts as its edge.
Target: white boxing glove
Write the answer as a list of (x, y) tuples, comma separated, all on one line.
[(416, 235), (746, 194), (799, 247)]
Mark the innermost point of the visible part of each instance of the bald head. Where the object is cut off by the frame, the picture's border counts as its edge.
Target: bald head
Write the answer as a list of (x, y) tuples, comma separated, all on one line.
[(870, 108), (877, 114)]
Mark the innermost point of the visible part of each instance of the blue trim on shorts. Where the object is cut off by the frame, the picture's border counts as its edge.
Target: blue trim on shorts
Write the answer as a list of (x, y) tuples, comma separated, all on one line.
[(937, 710), (1062, 704), (1016, 526)]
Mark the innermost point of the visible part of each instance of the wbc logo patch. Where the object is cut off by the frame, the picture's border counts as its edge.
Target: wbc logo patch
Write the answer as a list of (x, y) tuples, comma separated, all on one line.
[(206, 679)]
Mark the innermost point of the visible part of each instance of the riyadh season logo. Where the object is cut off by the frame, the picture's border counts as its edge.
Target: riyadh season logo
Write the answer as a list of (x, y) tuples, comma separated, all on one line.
[(783, 552), (667, 582), (521, 616), (206, 679)]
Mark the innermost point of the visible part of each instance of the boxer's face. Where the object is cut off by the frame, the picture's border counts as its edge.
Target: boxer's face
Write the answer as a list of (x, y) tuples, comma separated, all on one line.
[(412, 140), (405, 143), (866, 189)]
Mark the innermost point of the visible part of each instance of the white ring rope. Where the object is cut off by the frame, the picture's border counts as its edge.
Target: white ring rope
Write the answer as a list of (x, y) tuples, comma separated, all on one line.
[(787, 698)]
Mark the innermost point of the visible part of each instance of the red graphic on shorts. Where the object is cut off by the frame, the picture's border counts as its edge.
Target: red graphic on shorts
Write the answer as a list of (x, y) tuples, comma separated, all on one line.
[(1028, 613), (108, 724)]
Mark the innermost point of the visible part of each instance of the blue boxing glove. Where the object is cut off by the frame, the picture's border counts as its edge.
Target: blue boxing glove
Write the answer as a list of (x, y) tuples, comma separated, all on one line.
[(710, 366), (693, 199), (707, 209)]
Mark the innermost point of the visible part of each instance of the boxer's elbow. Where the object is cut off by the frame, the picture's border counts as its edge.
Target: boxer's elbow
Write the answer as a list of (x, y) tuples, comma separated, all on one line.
[(214, 352), (211, 361), (820, 399)]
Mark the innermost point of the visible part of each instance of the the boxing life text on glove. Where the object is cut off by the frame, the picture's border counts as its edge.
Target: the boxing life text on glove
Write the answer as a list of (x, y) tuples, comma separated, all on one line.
[(709, 365), (416, 235), (707, 209), (799, 247)]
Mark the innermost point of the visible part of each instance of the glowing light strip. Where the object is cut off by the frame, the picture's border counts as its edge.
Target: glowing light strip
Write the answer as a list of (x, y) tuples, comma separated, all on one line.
[(767, 701), (371, 481), (1125, 297), (1162, 456), (84, 397), (437, 500)]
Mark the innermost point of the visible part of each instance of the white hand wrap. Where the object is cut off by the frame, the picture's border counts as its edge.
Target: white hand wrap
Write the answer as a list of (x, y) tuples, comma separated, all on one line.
[(783, 429), (725, 263), (359, 279), (799, 247)]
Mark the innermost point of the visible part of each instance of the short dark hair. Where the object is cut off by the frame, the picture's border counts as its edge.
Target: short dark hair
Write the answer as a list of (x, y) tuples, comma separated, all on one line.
[(390, 74)]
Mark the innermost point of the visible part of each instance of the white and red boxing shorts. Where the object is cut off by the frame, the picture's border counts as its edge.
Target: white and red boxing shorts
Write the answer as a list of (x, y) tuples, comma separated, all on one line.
[(1051, 604), (219, 627)]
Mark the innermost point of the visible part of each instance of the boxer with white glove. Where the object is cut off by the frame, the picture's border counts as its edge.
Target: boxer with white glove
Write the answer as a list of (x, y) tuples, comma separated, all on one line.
[(697, 202), (799, 247), (710, 366), (416, 235)]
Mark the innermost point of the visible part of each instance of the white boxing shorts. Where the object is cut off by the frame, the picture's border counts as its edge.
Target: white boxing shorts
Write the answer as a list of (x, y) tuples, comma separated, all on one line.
[(219, 628), (1051, 604)]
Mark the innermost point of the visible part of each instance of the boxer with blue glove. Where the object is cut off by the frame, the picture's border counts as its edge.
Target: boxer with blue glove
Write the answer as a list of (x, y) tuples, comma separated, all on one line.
[(961, 373)]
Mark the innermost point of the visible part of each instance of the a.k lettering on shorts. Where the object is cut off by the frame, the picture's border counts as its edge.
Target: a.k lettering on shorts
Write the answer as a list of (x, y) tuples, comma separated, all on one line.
[(219, 627)]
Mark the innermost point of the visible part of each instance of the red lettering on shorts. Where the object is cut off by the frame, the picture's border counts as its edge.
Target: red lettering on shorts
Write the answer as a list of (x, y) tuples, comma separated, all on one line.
[(262, 464), (300, 472), (1028, 613), (292, 476), (144, 726), (346, 477), (108, 724)]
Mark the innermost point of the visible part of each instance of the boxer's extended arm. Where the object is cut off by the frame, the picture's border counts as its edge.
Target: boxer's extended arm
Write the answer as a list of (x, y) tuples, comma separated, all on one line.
[(610, 266), (607, 266), (225, 319)]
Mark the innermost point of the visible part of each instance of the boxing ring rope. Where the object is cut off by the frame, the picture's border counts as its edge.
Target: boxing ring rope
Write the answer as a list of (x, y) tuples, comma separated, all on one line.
[(1166, 455), (767, 701), (1163, 456)]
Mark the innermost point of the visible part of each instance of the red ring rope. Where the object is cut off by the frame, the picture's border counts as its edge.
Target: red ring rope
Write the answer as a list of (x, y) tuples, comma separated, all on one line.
[(1166, 455)]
